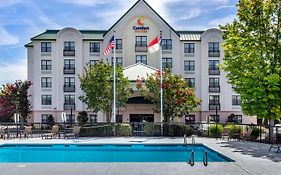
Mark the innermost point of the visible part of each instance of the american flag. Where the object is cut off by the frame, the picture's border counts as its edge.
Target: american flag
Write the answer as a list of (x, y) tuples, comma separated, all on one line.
[(110, 45)]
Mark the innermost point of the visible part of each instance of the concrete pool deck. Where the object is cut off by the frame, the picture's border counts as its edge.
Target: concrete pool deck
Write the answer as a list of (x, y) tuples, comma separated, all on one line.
[(250, 158)]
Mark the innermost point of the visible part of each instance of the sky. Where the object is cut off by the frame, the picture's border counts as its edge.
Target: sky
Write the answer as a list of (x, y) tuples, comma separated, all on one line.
[(20, 20)]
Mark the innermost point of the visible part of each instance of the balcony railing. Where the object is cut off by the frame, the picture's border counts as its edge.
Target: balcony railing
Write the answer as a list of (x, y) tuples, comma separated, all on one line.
[(67, 70), (141, 48), (214, 88), (69, 88), (68, 52), (69, 106), (214, 106), (215, 53), (214, 72)]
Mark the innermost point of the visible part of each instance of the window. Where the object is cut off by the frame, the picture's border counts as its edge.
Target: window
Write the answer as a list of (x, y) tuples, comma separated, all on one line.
[(70, 118), (141, 41), (166, 44), (119, 61), (93, 62), (46, 100), (214, 82), (190, 119), (46, 82), (93, 118), (44, 118), (69, 102), (213, 68), (236, 100), (69, 45), (69, 84), (214, 118), (234, 118), (69, 99), (119, 118), (46, 65), (189, 65), (189, 47), (46, 47), (213, 64), (141, 59), (167, 63), (190, 82), (119, 44), (95, 47), (214, 47), (69, 64), (214, 99), (69, 81)]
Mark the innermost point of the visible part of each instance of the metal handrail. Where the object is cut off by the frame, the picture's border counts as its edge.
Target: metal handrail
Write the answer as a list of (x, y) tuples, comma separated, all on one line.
[(191, 159), (192, 139), (205, 158), (184, 140)]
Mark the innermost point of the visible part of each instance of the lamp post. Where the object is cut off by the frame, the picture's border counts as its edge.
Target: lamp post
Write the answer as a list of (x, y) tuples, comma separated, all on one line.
[(216, 120), (71, 116)]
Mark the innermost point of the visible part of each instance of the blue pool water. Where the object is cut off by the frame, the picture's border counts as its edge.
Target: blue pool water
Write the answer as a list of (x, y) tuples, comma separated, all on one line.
[(106, 153)]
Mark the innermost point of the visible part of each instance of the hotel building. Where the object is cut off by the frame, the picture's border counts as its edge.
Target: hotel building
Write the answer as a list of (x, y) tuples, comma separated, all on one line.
[(56, 58)]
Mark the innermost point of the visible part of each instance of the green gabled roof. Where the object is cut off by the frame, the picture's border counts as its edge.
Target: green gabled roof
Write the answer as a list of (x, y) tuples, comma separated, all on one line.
[(29, 45), (132, 8), (190, 35), (87, 35)]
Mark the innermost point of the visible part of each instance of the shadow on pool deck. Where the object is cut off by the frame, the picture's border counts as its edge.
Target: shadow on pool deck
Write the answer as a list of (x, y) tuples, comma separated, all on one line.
[(259, 150)]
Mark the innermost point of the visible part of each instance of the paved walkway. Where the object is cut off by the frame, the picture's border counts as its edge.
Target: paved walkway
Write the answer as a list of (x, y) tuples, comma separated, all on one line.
[(250, 158)]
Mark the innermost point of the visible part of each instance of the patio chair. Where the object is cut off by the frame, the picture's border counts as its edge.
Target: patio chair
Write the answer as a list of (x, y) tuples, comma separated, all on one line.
[(54, 132), (225, 133), (27, 131), (275, 146), (75, 133)]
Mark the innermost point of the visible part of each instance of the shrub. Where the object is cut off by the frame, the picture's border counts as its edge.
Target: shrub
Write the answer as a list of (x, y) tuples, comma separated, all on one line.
[(96, 130), (176, 130), (215, 130), (234, 129), (151, 129), (123, 129), (82, 118), (255, 133)]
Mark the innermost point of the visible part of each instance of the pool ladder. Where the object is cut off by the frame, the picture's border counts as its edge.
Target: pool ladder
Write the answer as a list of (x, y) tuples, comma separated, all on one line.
[(191, 159), (205, 158), (185, 140)]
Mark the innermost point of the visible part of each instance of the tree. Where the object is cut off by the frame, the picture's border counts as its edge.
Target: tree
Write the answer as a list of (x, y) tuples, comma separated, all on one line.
[(253, 57), (178, 98), (97, 85), (82, 117), (14, 98)]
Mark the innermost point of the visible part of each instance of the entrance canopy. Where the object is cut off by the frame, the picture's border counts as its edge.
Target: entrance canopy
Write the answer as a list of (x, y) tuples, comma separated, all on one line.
[(138, 71)]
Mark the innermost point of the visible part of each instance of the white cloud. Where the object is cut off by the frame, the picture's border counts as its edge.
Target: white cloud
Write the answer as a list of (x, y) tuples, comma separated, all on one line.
[(89, 2), (9, 72), (5, 3), (7, 38), (190, 14), (222, 21)]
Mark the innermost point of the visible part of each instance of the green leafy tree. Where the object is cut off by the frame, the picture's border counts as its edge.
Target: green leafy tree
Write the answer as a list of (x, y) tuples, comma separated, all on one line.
[(97, 85), (253, 57), (178, 98), (14, 98), (82, 117)]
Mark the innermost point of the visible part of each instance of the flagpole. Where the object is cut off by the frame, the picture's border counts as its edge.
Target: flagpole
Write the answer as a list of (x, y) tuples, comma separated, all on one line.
[(161, 83), (114, 81)]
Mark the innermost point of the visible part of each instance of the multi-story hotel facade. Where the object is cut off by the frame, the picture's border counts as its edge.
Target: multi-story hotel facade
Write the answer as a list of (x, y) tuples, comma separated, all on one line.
[(56, 58)]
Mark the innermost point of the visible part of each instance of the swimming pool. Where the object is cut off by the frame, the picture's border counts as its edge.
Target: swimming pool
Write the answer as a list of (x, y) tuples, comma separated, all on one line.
[(106, 153)]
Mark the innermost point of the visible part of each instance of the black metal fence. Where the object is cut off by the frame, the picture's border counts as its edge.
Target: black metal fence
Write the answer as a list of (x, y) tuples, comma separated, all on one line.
[(260, 133)]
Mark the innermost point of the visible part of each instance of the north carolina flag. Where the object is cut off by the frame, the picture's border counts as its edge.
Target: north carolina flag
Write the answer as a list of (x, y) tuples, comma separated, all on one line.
[(154, 45)]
